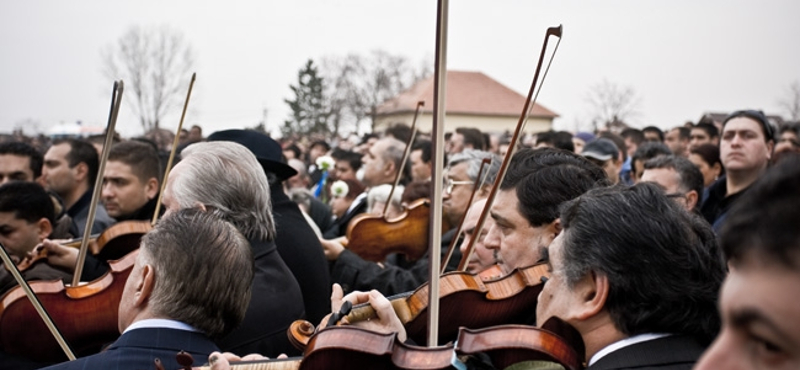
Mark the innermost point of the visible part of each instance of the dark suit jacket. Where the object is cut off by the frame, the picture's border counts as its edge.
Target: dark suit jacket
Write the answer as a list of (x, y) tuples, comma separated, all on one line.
[(339, 227), (675, 352), (138, 349), (300, 249), (80, 212), (276, 302)]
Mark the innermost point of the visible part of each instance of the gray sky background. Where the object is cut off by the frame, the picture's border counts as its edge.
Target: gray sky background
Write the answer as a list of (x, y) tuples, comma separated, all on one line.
[(682, 57)]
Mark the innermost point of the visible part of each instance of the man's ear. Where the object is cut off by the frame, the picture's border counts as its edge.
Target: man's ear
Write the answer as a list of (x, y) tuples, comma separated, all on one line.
[(592, 293), (82, 172), (144, 286), (44, 229), (692, 198), (553, 229), (151, 188)]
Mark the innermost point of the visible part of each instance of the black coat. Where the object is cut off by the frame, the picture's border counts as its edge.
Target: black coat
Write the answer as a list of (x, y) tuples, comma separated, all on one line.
[(355, 273), (300, 250), (675, 352), (339, 227), (138, 349), (276, 302)]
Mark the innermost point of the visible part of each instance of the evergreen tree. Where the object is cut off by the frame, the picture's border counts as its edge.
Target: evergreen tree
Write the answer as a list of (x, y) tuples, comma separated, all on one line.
[(309, 111)]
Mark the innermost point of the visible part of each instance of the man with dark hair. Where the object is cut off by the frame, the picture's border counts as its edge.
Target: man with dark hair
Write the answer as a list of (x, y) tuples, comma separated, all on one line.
[(680, 178), (788, 141), (70, 170), (624, 157), (646, 152), (555, 139), (296, 241), (525, 210), (420, 158), (642, 292), (346, 165), (703, 133), (745, 151), (633, 138), (132, 181), (315, 150), (653, 134), (26, 219), (465, 138), (399, 131), (758, 301), (677, 139), (165, 307), (19, 162)]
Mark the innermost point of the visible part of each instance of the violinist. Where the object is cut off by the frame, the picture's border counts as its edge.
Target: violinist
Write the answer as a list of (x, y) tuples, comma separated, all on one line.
[(165, 307), (640, 289), (525, 212), (26, 219), (131, 181), (226, 179), (761, 241), (380, 166), (482, 258), (355, 273)]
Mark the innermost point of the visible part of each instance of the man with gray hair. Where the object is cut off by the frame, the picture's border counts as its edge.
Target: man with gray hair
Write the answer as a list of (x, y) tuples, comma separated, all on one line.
[(380, 166), (354, 273), (180, 294), (224, 178)]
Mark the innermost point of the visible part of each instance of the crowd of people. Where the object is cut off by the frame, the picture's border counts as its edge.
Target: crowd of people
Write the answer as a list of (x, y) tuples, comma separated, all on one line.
[(663, 248)]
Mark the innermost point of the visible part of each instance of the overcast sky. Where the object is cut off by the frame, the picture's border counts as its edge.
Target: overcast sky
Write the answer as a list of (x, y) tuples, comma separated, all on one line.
[(682, 57)]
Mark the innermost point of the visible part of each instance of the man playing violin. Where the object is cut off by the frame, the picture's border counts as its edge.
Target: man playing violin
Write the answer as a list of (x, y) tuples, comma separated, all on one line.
[(166, 307), (355, 273), (637, 276), (26, 219), (525, 211)]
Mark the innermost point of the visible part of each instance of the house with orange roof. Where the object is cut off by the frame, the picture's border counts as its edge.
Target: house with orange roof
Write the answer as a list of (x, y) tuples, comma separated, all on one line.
[(473, 99)]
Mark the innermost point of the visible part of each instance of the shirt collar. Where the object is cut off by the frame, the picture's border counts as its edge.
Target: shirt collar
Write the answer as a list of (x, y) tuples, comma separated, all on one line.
[(160, 323), (624, 343)]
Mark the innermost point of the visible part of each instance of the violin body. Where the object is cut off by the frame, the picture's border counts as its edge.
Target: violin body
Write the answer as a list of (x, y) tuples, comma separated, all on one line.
[(119, 240), (86, 315), (507, 300), (373, 237)]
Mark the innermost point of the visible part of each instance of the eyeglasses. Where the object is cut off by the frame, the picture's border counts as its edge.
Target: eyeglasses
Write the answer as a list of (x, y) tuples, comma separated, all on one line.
[(449, 184)]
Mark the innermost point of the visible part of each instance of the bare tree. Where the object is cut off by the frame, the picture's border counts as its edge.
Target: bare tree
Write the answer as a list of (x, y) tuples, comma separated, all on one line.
[(155, 63), (791, 102), (612, 104), (357, 84)]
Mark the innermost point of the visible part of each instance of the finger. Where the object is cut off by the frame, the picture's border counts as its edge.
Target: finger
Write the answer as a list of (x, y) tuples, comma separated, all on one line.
[(383, 308), (356, 297), (336, 297), (254, 357), (218, 361), (283, 355)]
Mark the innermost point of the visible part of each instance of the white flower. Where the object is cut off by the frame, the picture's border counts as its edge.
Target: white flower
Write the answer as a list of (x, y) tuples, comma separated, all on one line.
[(325, 163), (339, 189)]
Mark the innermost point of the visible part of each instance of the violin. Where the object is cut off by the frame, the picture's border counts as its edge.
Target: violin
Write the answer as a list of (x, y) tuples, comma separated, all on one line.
[(375, 237), (85, 314), (507, 300), (349, 347), (114, 243)]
